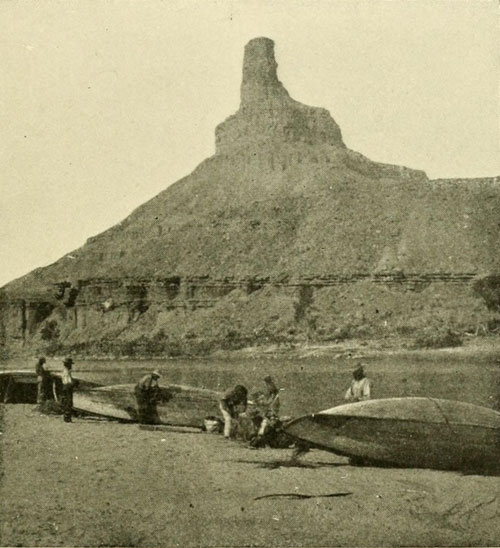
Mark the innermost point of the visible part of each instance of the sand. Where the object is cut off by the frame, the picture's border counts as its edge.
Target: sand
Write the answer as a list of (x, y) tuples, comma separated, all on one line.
[(99, 483)]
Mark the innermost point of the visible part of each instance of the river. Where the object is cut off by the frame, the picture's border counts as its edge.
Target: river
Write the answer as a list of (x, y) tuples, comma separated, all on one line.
[(314, 383)]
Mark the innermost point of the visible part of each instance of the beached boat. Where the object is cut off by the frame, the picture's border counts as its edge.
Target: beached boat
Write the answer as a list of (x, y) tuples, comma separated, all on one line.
[(21, 386), (178, 404), (408, 432)]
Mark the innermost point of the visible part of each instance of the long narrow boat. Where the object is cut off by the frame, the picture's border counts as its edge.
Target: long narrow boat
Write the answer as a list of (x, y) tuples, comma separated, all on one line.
[(178, 404), (20, 386), (408, 432)]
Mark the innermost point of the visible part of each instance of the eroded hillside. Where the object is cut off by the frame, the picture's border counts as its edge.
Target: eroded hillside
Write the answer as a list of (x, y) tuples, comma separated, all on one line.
[(283, 234)]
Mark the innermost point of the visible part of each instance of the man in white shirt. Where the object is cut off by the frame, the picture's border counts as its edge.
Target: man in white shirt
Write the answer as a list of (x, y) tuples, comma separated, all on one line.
[(67, 390), (43, 381), (360, 388)]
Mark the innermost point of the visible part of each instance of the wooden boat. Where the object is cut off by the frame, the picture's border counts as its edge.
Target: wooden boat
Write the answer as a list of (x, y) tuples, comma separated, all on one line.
[(178, 405), (21, 386), (408, 432)]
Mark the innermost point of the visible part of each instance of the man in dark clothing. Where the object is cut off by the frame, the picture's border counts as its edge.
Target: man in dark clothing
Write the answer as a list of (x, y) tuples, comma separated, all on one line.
[(146, 394), (229, 404), (68, 384), (43, 381)]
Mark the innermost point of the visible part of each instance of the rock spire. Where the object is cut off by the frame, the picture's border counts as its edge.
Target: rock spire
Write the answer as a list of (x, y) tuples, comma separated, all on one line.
[(260, 79), (268, 116)]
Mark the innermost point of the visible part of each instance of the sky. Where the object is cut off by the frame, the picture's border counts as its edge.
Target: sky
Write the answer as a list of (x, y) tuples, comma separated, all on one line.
[(103, 104)]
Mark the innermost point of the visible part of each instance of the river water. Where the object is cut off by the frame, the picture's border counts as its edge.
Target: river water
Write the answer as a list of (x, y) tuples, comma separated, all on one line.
[(314, 383)]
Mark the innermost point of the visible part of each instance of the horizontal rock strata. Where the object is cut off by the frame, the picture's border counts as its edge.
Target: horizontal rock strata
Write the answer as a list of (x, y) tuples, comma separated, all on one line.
[(280, 224)]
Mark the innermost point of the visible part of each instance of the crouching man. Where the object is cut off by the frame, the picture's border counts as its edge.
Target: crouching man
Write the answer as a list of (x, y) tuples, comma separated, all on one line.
[(230, 405), (147, 393), (268, 405)]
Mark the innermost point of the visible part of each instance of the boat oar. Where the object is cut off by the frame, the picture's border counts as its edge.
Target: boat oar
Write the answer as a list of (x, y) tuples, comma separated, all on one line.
[(178, 428)]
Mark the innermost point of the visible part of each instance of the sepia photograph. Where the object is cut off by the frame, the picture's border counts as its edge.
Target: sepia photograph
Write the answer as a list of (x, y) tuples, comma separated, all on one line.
[(249, 273)]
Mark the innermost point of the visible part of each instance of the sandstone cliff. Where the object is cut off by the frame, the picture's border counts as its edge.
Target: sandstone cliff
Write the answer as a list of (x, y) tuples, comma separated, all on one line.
[(284, 233)]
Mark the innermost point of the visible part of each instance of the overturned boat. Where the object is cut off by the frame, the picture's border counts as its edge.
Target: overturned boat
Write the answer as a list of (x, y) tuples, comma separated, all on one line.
[(178, 405), (20, 386), (407, 432)]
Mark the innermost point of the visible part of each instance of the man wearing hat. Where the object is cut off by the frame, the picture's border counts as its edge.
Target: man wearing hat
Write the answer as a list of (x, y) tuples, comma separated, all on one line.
[(361, 386), (68, 384), (146, 394)]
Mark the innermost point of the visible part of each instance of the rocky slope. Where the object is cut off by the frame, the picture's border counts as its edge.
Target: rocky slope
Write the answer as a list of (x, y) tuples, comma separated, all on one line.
[(265, 239)]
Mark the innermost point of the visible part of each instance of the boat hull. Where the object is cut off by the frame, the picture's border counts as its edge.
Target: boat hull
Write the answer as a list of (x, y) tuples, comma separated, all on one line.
[(21, 386), (178, 405), (408, 432)]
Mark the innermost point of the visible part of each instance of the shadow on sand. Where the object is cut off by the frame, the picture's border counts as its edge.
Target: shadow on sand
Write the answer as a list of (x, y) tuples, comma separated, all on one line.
[(481, 472), (274, 464), (290, 463), (487, 470)]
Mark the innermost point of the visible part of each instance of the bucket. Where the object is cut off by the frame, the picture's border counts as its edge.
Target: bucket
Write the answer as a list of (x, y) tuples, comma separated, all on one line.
[(213, 425)]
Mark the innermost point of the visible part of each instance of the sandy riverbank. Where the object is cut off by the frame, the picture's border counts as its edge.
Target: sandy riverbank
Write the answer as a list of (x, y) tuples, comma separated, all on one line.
[(108, 484), (359, 348)]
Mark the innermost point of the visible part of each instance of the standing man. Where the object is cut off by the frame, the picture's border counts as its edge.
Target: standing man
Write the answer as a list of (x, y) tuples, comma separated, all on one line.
[(42, 381), (146, 394), (361, 386), (68, 384), (232, 399)]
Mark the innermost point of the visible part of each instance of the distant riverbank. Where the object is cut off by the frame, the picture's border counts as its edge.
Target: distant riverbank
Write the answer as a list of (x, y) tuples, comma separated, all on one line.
[(352, 348), (372, 347)]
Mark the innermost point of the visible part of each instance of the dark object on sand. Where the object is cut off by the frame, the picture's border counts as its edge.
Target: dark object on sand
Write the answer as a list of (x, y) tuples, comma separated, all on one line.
[(300, 496), (50, 407), (300, 448), (407, 432), (247, 429), (177, 405)]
